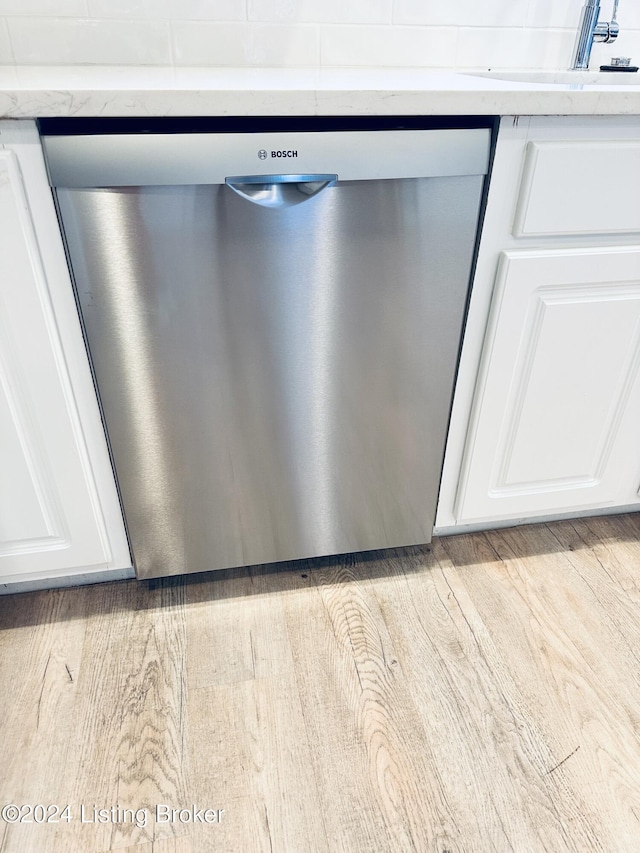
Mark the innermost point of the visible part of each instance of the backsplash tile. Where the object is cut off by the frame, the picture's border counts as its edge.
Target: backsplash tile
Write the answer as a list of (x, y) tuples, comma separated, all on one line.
[(187, 10), (322, 11), (204, 43), (465, 34), (463, 13), (424, 47), (48, 41), (515, 48), (556, 13), (629, 14), (48, 8)]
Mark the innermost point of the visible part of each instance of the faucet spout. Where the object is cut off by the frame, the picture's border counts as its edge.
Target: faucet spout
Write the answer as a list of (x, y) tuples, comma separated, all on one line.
[(591, 30)]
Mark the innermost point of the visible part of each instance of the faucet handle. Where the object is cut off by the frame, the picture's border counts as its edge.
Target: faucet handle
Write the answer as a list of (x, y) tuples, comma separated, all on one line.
[(606, 32)]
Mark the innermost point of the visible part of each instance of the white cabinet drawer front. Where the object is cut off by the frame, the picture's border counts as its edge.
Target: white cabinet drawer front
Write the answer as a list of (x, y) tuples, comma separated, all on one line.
[(49, 512), (557, 414), (590, 187)]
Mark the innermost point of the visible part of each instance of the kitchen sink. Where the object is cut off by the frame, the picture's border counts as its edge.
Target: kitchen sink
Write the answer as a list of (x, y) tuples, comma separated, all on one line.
[(566, 78)]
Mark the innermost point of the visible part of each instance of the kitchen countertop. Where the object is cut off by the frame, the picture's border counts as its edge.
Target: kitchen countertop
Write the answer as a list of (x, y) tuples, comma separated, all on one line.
[(33, 92)]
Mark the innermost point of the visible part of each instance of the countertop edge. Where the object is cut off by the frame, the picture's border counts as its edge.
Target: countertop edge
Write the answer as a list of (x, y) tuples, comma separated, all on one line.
[(248, 94)]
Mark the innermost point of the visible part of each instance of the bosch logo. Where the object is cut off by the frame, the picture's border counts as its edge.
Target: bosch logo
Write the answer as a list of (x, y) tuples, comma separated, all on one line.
[(262, 154)]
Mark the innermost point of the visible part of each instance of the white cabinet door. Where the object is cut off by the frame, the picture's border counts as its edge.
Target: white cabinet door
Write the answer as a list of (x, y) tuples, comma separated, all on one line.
[(556, 421), (53, 520)]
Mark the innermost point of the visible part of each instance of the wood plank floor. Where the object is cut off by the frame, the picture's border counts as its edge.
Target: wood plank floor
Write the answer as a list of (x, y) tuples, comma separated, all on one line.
[(481, 694)]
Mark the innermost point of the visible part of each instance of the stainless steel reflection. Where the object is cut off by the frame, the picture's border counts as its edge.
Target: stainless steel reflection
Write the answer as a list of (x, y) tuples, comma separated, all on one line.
[(279, 190), (276, 384), (158, 159)]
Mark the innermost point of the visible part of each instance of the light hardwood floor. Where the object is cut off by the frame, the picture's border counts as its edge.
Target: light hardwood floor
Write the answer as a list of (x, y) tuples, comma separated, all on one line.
[(482, 694)]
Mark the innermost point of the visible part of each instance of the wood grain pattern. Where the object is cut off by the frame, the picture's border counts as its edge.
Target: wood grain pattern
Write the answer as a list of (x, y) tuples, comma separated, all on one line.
[(39, 666), (482, 694), (486, 731), (131, 710)]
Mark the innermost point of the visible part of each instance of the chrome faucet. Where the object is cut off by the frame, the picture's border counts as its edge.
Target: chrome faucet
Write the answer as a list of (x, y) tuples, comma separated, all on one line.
[(590, 30)]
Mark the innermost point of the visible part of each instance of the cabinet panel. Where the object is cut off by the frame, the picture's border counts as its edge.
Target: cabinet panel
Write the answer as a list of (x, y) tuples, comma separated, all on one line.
[(572, 187), (49, 511), (27, 506), (556, 418)]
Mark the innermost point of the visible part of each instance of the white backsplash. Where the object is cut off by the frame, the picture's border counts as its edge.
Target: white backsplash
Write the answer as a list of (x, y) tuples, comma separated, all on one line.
[(460, 34)]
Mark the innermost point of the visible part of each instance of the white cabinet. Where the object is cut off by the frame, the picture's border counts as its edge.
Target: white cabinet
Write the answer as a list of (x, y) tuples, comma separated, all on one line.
[(579, 186), (59, 510), (557, 423), (550, 422)]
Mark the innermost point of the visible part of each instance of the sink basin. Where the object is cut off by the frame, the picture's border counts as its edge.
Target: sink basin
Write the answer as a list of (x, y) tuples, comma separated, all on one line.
[(566, 78)]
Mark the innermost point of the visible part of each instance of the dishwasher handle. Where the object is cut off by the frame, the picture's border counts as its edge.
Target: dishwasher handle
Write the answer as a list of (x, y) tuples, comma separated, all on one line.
[(278, 191)]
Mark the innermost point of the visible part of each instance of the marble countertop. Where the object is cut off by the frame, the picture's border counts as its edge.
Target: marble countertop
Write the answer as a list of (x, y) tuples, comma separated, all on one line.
[(33, 92)]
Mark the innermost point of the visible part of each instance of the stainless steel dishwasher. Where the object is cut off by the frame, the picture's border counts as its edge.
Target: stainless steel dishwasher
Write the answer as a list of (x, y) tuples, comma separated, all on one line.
[(274, 322)]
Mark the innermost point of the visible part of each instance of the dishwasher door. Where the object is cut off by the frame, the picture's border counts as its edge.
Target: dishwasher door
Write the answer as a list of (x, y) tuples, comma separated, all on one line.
[(275, 383)]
